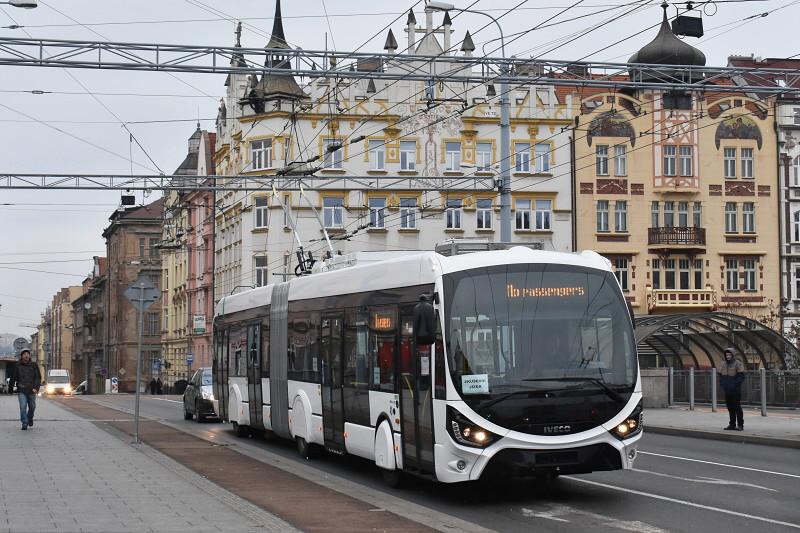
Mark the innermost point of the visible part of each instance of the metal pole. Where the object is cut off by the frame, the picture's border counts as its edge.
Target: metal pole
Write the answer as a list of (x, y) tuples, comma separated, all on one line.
[(691, 389), (139, 364), (763, 373), (713, 390), (505, 163), (671, 387)]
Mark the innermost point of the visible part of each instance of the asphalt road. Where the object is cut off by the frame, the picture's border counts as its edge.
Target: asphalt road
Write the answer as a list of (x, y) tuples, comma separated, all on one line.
[(679, 484)]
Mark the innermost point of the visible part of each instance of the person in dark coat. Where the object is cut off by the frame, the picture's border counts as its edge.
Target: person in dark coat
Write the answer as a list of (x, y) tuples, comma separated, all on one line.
[(152, 386), (159, 386), (731, 377), (28, 379)]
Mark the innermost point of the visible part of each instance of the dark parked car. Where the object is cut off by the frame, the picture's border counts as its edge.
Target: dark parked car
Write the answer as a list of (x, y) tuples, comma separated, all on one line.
[(198, 398)]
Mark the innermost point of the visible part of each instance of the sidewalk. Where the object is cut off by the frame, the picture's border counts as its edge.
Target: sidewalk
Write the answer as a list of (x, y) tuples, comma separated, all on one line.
[(779, 428), (68, 474)]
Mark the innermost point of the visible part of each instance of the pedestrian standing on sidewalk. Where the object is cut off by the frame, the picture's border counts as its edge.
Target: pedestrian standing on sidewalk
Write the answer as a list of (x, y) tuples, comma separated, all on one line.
[(152, 386), (28, 379), (731, 377), (159, 386)]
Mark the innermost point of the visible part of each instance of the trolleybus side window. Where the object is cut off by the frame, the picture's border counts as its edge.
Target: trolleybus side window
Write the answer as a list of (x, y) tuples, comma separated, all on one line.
[(304, 362), (356, 380), (382, 342), (238, 345), (254, 345)]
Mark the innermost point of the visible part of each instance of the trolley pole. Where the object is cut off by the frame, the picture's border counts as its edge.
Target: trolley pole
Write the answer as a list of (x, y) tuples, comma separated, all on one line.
[(713, 390)]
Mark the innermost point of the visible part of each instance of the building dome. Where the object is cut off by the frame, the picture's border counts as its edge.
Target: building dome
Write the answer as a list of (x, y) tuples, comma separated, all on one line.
[(667, 49)]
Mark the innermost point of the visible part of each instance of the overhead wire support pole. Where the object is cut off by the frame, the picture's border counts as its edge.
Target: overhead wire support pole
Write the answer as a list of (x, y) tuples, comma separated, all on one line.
[(207, 59)]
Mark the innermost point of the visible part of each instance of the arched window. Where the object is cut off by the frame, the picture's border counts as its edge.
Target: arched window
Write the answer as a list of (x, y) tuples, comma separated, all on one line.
[(796, 171), (796, 227)]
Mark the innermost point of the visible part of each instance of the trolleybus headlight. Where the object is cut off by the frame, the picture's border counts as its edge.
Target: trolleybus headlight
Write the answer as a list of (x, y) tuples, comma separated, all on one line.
[(466, 433), (631, 426)]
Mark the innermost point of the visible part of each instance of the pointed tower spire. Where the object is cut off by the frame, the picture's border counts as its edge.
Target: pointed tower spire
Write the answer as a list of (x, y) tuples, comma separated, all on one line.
[(468, 46), (447, 24), (411, 18), (278, 39), (447, 21), (391, 42)]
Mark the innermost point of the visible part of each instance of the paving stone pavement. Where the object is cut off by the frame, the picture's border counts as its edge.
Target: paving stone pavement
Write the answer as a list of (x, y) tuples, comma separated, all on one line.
[(68, 474)]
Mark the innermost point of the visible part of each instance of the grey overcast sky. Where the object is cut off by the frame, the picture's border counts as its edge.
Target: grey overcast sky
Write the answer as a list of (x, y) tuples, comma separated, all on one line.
[(58, 232)]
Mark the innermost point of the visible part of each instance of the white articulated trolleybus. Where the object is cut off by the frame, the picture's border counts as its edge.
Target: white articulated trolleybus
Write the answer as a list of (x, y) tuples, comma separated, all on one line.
[(514, 362)]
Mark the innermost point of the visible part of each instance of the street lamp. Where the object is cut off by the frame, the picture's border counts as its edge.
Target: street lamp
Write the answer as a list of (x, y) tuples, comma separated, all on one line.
[(505, 127), (24, 4)]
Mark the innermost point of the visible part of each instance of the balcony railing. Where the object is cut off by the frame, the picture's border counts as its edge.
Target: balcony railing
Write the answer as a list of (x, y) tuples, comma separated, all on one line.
[(681, 298), (676, 236)]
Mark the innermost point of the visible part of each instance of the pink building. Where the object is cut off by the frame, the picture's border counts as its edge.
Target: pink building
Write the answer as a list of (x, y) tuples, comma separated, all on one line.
[(200, 247)]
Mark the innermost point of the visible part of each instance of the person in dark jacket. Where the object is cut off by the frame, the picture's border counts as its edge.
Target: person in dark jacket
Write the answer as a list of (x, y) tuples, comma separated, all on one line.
[(159, 386), (152, 386), (28, 379), (731, 377)]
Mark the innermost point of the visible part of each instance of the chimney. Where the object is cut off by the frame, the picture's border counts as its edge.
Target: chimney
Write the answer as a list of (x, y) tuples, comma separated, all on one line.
[(412, 33)]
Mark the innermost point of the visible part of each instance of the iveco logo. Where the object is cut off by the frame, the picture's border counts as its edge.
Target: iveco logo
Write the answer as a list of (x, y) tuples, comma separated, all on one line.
[(557, 429)]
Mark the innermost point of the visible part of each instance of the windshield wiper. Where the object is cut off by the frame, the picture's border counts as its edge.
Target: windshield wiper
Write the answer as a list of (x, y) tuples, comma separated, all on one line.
[(503, 397), (614, 395)]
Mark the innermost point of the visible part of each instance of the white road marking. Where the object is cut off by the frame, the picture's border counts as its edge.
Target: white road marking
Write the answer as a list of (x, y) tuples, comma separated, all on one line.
[(684, 502), (555, 512), (165, 400), (703, 479), (720, 464)]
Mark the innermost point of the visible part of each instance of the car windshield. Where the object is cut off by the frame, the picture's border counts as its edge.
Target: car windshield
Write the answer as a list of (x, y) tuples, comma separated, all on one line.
[(533, 327), (207, 378), (58, 379)]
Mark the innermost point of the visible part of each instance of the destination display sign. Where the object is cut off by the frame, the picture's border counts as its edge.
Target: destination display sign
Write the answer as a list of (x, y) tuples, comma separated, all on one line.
[(382, 321), (512, 291)]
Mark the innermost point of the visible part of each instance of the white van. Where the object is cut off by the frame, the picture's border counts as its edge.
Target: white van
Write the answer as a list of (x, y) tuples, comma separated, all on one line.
[(58, 382)]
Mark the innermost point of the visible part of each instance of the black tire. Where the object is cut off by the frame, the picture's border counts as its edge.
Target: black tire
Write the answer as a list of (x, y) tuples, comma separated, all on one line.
[(241, 431), (392, 478), (197, 416), (186, 414), (304, 449)]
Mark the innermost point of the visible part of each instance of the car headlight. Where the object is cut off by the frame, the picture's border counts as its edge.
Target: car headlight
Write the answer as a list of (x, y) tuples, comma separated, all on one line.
[(466, 433), (50, 389), (67, 389), (632, 425), (208, 396)]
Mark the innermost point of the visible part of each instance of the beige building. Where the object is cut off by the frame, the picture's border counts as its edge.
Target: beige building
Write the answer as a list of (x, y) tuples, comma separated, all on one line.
[(678, 190), (61, 324)]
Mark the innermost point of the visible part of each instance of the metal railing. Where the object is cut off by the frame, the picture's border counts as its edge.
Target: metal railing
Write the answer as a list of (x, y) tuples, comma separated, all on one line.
[(665, 235), (760, 388), (704, 298)]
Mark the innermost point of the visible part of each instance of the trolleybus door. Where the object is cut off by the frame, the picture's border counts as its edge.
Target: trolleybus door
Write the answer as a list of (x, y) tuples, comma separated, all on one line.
[(254, 394), (332, 380), (220, 371), (416, 401)]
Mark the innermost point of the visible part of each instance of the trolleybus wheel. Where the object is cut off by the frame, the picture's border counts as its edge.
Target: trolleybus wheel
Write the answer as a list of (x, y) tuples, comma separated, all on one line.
[(392, 478), (304, 449), (240, 431)]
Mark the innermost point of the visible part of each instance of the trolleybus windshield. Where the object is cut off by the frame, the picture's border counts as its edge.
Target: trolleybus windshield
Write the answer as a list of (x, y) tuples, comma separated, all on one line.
[(518, 331)]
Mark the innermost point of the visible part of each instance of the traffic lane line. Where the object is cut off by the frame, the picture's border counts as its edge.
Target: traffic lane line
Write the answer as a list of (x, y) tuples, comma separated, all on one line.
[(686, 503), (725, 465), (165, 400)]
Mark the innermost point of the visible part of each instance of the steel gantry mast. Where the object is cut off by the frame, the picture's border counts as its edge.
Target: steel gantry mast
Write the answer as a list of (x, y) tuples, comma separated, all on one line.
[(217, 60)]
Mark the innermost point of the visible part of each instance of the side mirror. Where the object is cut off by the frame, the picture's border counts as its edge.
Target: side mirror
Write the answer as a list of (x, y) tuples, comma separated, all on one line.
[(424, 323), (630, 312)]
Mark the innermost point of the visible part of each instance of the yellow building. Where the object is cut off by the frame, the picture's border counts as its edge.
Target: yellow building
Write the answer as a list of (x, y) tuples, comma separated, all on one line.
[(678, 191)]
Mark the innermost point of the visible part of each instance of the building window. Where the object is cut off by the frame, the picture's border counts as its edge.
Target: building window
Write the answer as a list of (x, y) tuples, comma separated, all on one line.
[(542, 153), (685, 155), (796, 171), (797, 283), (747, 163), (523, 214), (796, 227), (543, 214), (601, 160), (483, 156), (621, 216), (669, 274), (683, 214), (522, 157), (260, 262), (654, 214), (731, 275), (452, 156), (408, 155), (151, 324), (796, 114), (287, 211), (602, 215), (669, 214), (454, 214), (261, 154), (698, 214), (621, 273), (729, 162), (749, 266), (698, 273), (749, 217), (154, 252), (655, 273), (332, 159), (484, 213), (333, 211), (261, 211), (620, 160), (377, 155), (408, 213), (142, 247), (683, 274), (730, 217), (670, 152), (377, 212)]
